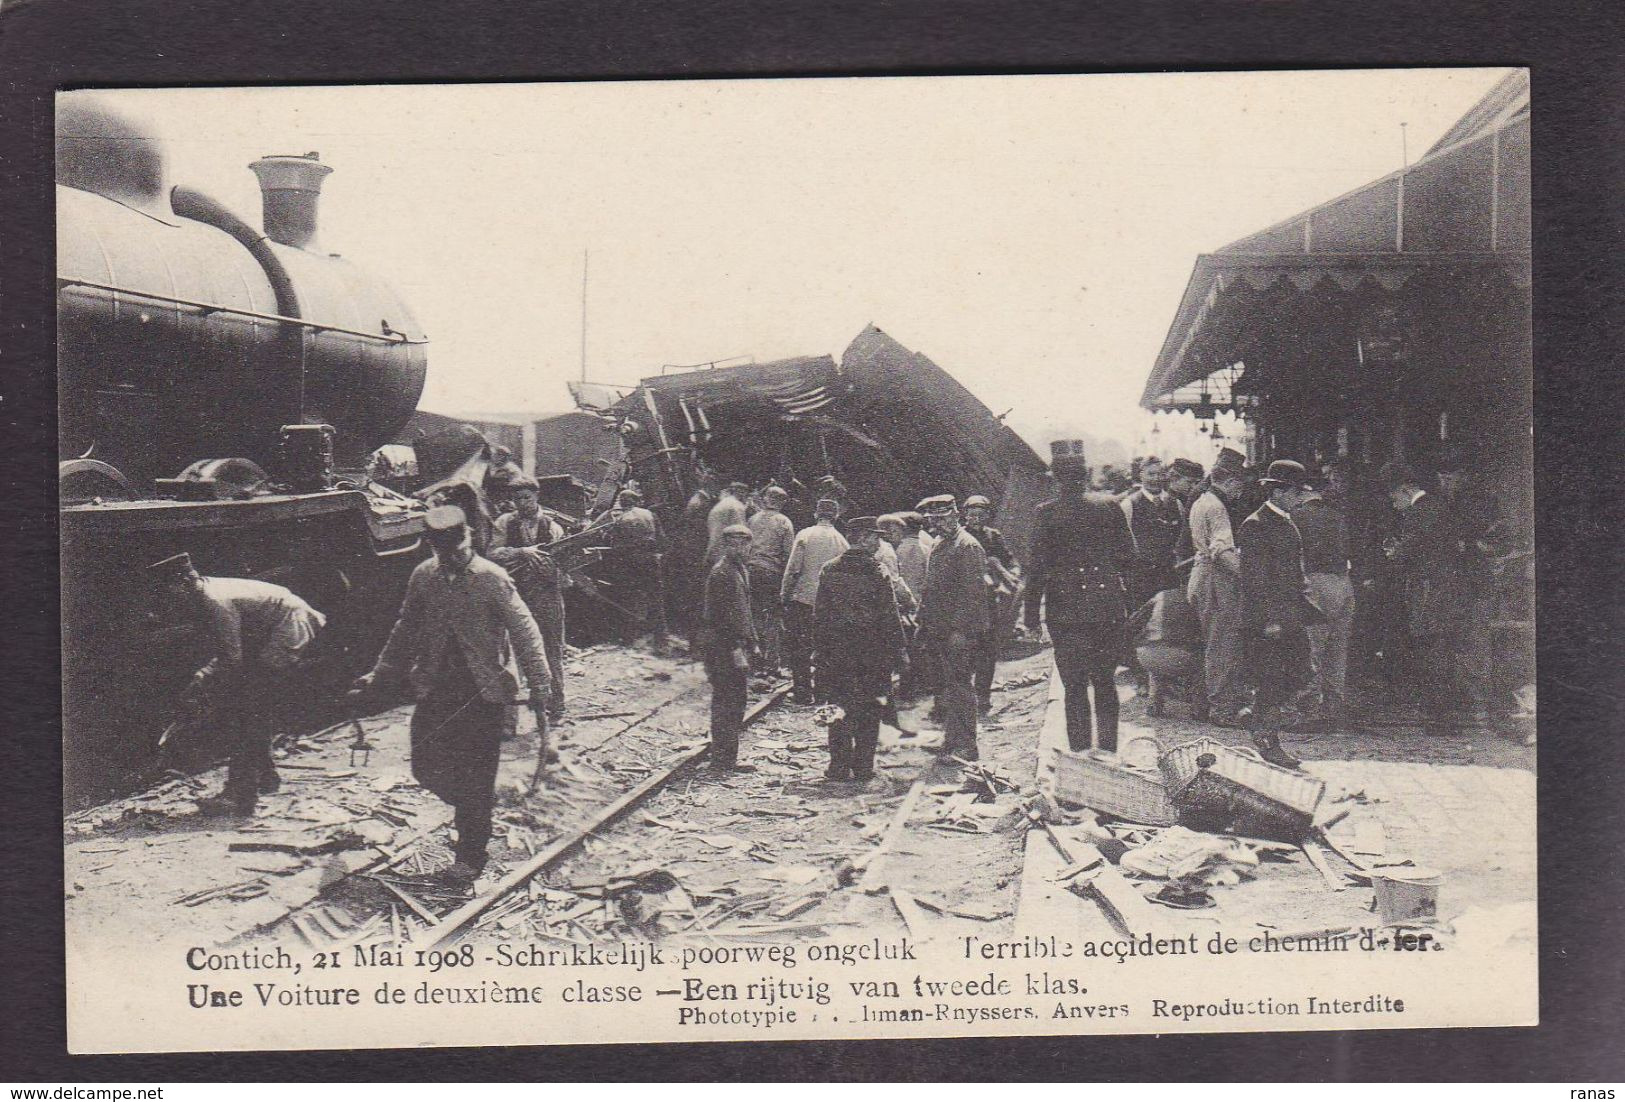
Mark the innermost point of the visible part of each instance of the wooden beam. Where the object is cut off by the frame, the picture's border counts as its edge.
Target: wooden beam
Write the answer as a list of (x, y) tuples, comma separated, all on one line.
[(1124, 907), (453, 924), (877, 857)]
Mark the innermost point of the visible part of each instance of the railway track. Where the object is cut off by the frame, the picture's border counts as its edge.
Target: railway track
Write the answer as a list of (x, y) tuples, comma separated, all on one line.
[(397, 900)]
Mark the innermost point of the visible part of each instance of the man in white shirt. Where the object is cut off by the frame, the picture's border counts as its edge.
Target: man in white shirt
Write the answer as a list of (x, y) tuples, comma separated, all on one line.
[(729, 510), (257, 633), (1214, 591), (798, 591)]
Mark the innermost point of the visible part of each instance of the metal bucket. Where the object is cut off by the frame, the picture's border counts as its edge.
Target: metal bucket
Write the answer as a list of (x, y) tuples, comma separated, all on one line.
[(1406, 894)]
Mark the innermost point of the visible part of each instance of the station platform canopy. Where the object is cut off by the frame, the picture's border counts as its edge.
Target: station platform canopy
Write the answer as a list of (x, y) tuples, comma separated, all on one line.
[(1460, 213)]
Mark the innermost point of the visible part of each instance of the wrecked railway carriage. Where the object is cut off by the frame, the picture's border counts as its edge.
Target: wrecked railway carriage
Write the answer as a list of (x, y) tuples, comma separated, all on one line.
[(889, 424)]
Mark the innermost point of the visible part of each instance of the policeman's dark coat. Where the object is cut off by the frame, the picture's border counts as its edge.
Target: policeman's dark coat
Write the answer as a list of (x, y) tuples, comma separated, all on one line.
[(1071, 532)]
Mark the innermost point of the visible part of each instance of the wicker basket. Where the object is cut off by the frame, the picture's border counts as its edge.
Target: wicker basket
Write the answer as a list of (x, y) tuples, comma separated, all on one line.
[(1219, 787), (1100, 781)]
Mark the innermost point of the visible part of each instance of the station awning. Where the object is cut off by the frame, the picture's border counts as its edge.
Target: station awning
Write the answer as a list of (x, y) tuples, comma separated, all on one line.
[(1462, 210)]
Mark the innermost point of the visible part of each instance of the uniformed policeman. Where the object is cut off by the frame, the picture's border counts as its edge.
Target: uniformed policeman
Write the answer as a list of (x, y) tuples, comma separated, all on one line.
[(1081, 549)]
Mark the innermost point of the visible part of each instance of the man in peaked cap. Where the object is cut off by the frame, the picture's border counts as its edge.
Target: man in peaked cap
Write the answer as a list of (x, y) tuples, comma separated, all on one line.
[(858, 641), (258, 632), (1003, 582), (955, 617), (1081, 547), (1183, 475), (798, 590), (460, 626), (1278, 606), (637, 560), (727, 643)]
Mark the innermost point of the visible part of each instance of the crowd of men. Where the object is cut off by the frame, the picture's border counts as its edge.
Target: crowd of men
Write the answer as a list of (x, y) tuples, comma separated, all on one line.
[(1288, 573), (867, 614), (872, 613)]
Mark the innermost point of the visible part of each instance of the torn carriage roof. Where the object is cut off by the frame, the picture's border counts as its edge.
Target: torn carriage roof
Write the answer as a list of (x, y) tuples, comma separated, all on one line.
[(886, 421)]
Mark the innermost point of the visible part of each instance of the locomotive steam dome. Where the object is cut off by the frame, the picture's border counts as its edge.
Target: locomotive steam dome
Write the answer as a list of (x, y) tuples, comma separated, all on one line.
[(184, 333)]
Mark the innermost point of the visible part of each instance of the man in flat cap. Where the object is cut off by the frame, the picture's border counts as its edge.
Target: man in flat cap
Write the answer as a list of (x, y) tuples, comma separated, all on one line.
[(727, 643), (955, 617), (1185, 484), (798, 590), (519, 545), (1279, 610), (858, 640), (258, 634), (1081, 549), (772, 538), (637, 547), (461, 625)]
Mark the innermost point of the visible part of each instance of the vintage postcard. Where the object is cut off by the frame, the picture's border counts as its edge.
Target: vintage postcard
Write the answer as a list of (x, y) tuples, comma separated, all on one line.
[(796, 559)]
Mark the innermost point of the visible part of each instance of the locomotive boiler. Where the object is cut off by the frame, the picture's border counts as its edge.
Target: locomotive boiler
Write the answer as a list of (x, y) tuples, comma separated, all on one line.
[(221, 386)]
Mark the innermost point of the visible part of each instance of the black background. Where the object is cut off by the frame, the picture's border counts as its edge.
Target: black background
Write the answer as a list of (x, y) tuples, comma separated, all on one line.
[(1579, 213)]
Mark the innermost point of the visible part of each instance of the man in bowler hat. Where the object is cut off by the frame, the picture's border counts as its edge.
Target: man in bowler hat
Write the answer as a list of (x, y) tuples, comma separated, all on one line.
[(1279, 611), (728, 643)]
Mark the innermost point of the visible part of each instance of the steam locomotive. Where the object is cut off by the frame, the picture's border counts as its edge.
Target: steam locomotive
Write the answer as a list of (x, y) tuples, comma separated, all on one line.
[(221, 387)]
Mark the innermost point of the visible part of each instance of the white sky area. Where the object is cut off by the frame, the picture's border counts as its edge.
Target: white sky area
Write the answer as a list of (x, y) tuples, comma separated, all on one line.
[(1032, 235)]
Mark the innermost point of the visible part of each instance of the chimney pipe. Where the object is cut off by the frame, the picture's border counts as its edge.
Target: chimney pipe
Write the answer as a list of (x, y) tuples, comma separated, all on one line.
[(289, 187)]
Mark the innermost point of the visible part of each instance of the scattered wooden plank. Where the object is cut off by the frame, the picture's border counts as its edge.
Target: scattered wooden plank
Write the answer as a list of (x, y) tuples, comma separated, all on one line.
[(798, 906), (412, 904), (1326, 839), (913, 916), (978, 912), (1317, 857), (759, 929), (1044, 907), (1124, 907), (875, 860)]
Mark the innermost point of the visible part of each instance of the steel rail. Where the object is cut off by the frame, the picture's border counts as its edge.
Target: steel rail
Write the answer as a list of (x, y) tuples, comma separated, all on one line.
[(454, 924)]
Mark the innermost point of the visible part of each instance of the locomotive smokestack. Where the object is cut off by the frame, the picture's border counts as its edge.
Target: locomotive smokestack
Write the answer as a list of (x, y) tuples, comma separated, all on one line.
[(290, 187)]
